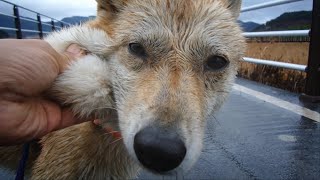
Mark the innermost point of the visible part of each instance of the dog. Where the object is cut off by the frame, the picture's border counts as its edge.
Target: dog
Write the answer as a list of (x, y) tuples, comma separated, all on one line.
[(155, 71)]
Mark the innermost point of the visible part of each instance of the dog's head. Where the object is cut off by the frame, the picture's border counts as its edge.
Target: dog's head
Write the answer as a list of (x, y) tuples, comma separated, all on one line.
[(172, 65)]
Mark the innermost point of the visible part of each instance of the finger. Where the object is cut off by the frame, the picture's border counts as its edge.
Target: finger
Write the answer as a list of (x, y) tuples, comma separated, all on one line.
[(58, 118), (73, 52), (27, 67), (69, 119), (97, 122)]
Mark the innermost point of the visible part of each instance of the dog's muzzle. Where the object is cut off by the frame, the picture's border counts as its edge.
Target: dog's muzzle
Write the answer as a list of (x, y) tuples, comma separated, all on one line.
[(158, 149)]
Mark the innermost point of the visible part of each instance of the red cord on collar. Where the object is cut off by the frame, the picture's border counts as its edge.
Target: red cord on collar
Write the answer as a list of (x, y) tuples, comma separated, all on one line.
[(115, 134), (108, 129)]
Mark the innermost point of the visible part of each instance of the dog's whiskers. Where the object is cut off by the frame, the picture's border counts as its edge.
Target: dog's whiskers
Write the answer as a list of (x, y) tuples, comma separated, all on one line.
[(106, 107), (115, 141), (111, 132)]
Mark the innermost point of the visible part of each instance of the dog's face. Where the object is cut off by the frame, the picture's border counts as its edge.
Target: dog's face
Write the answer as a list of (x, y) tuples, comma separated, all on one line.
[(173, 66)]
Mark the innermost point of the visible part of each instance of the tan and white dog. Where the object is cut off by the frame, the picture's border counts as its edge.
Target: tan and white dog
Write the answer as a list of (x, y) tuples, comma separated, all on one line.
[(156, 70)]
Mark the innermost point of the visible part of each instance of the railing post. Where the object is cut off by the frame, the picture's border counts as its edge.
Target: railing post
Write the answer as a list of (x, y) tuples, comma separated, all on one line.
[(312, 89), (17, 22), (39, 26), (53, 28)]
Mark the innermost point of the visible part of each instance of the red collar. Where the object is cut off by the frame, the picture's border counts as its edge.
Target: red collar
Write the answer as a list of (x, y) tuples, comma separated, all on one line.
[(108, 129), (115, 134)]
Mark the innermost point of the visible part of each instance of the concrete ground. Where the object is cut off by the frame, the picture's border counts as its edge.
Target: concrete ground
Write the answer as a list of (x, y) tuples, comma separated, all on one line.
[(260, 133), (253, 138)]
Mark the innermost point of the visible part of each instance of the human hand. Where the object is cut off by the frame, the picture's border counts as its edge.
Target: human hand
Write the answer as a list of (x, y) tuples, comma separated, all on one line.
[(27, 69)]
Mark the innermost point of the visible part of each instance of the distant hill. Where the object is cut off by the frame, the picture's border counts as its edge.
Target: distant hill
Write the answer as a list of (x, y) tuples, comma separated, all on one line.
[(248, 26), (77, 19), (9, 22), (299, 20), (287, 21)]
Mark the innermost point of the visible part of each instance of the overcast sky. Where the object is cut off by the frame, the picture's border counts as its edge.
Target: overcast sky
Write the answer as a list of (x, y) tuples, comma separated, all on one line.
[(59, 9)]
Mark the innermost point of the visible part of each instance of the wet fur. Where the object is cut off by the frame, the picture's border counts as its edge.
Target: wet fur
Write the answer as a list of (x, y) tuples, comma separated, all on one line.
[(169, 88)]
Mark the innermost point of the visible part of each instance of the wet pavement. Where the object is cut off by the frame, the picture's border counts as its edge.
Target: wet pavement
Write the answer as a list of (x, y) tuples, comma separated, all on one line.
[(254, 138)]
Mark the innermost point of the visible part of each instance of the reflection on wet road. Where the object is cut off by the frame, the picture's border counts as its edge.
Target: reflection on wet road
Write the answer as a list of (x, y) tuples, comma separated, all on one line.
[(254, 138)]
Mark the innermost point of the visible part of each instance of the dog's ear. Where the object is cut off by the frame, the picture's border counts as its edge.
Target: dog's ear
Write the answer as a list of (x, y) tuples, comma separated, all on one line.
[(110, 8), (234, 6)]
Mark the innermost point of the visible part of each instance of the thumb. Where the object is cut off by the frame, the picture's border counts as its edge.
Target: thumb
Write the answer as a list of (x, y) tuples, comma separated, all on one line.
[(69, 119), (72, 53)]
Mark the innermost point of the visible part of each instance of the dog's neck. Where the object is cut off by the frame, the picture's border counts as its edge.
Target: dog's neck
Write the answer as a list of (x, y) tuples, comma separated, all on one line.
[(115, 134), (109, 130)]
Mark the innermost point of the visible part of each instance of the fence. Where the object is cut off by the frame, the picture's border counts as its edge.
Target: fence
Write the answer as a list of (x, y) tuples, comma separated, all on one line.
[(312, 88), (312, 69), (18, 19), (288, 39)]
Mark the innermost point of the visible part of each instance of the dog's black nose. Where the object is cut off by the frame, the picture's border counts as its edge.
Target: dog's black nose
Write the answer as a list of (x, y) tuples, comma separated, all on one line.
[(159, 150)]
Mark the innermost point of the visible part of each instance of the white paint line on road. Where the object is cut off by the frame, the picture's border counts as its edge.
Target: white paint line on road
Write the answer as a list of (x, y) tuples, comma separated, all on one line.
[(287, 138), (280, 103)]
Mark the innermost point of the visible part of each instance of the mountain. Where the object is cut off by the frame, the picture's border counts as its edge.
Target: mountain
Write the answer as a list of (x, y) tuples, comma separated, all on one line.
[(287, 21), (248, 26), (9, 23), (299, 20), (77, 19)]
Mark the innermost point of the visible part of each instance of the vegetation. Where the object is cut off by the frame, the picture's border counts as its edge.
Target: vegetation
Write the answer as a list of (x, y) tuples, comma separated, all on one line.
[(299, 20), (291, 80)]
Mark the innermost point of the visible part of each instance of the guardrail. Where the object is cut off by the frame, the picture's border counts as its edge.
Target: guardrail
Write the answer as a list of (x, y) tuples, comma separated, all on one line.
[(53, 24), (312, 87), (267, 4), (297, 67), (312, 69), (277, 33)]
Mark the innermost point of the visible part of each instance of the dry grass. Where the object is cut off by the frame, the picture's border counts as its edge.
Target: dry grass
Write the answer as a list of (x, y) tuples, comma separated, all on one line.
[(292, 52)]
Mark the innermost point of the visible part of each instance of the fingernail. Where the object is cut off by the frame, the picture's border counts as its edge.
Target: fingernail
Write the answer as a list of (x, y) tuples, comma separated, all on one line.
[(74, 49), (97, 121)]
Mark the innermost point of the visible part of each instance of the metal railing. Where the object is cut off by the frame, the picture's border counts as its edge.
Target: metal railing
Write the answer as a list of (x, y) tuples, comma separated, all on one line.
[(267, 4), (297, 67), (273, 34), (277, 33), (18, 19), (313, 68)]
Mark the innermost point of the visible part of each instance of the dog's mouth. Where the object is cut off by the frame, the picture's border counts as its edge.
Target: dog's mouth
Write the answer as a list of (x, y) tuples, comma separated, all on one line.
[(159, 150)]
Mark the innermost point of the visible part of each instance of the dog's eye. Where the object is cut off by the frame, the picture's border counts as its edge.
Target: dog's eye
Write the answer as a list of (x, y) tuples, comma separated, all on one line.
[(137, 49), (216, 63)]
